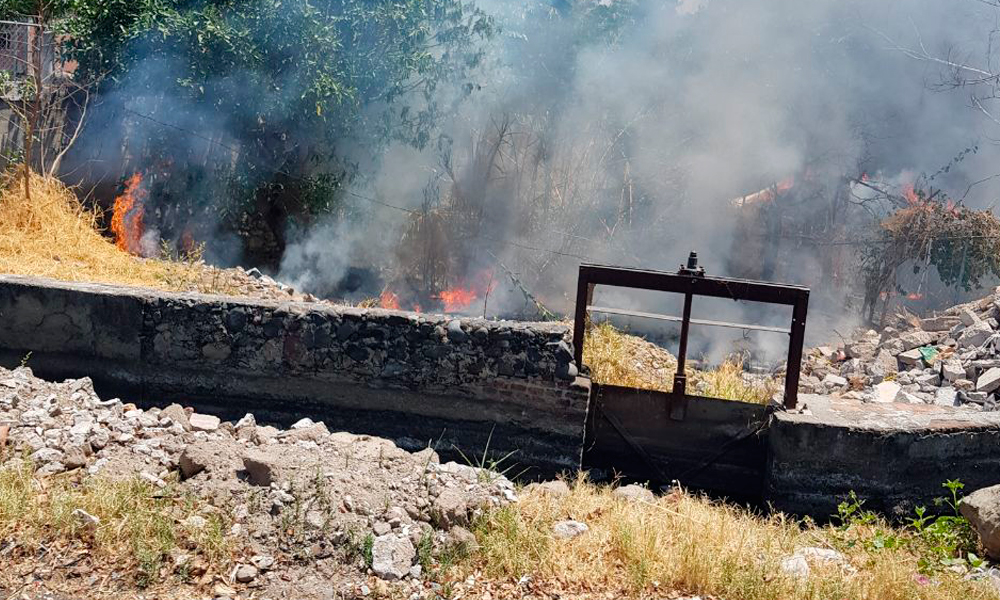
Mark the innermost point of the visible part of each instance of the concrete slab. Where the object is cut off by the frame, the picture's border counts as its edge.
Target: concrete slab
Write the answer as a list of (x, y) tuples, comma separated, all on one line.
[(894, 455)]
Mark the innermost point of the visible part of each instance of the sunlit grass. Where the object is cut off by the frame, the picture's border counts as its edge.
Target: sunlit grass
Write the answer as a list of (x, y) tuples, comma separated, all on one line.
[(619, 358), (683, 542)]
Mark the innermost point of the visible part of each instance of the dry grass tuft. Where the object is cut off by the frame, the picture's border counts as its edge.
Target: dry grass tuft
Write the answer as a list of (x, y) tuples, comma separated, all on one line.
[(55, 236), (618, 358), (140, 525), (687, 543)]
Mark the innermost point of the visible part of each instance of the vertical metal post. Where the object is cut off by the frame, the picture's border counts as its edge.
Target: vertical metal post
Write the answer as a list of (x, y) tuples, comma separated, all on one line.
[(680, 378), (584, 295), (795, 341)]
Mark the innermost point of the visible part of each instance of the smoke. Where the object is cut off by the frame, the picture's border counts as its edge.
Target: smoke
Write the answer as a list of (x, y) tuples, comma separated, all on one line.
[(620, 131), (645, 135)]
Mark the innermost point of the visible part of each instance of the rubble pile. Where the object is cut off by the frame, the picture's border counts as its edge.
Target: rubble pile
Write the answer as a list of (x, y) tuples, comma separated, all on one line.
[(950, 359), (330, 490)]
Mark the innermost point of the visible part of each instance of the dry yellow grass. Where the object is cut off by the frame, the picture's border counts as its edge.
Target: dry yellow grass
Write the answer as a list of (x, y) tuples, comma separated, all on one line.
[(55, 236), (618, 358), (686, 543)]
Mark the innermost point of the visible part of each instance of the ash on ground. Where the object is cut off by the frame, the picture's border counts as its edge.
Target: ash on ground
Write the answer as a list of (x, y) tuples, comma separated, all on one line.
[(296, 500), (950, 359)]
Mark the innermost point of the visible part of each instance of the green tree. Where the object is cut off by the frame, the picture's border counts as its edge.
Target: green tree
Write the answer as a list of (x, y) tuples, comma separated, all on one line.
[(279, 88)]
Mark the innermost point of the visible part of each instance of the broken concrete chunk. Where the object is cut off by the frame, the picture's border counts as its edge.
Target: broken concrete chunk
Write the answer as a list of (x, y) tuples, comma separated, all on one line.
[(953, 370), (968, 317), (916, 339), (886, 391), (939, 324), (989, 381), (887, 362), (975, 335), (834, 380), (982, 509), (911, 358), (195, 458), (946, 396), (200, 422), (392, 556), (262, 468), (177, 414)]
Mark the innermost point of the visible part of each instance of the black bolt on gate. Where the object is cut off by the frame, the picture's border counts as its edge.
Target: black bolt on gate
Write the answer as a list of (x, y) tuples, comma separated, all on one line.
[(691, 281)]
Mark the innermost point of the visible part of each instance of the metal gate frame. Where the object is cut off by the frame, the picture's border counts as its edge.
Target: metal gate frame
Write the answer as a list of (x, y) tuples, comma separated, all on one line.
[(692, 281), (703, 442)]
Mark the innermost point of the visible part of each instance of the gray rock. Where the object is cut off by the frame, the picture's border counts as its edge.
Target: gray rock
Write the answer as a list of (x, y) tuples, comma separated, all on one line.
[(46, 455), (976, 335), (246, 573), (177, 414), (911, 358), (86, 520), (569, 529), (195, 458), (392, 556), (989, 381), (968, 317), (946, 396), (953, 370), (262, 468), (556, 489), (455, 332), (460, 537), (916, 339), (635, 493), (263, 562), (450, 508), (982, 509)]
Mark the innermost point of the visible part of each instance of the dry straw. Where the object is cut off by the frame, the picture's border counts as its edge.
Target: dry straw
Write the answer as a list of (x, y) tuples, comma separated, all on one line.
[(54, 235), (685, 543)]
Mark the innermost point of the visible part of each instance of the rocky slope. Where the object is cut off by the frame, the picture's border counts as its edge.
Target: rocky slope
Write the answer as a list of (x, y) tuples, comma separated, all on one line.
[(294, 502)]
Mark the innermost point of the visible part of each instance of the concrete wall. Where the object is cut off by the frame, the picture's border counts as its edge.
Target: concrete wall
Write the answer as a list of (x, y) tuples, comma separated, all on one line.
[(462, 384), (894, 456)]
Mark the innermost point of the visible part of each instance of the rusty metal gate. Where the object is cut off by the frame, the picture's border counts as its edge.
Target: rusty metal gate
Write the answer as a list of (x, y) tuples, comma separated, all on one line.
[(701, 442)]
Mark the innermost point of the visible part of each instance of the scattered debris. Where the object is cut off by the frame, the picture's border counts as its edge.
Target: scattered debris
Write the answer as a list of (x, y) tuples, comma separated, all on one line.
[(948, 359), (285, 499)]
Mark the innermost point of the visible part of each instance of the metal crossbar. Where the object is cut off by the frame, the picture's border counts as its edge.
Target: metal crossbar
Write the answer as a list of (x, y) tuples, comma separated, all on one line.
[(645, 315), (692, 281)]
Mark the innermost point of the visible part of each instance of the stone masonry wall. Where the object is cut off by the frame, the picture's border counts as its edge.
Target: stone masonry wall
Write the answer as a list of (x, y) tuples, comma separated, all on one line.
[(460, 384)]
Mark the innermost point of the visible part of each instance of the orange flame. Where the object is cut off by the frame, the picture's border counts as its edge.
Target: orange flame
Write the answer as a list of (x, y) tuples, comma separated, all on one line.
[(457, 298), (910, 194), (463, 295), (126, 219), (786, 184), (914, 296), (389, 300)]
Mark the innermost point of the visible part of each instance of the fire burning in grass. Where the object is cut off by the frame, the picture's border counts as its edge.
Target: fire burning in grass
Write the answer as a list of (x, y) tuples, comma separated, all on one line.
[(459, 298), (127, 216)]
